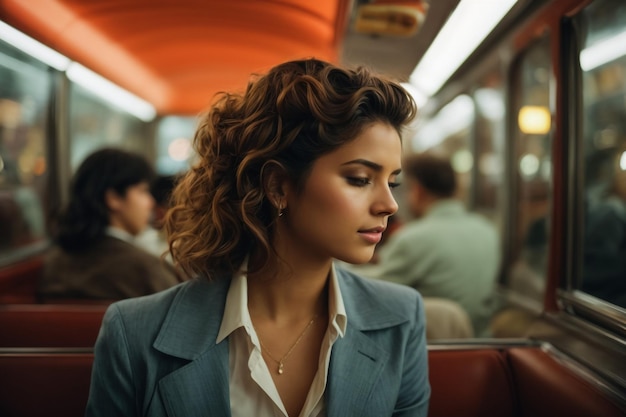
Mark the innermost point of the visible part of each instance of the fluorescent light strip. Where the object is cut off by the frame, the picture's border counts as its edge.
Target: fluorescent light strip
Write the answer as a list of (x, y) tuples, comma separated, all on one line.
[(110, 92), (33, 48), (603, 52), (78, 73), (467, 27)]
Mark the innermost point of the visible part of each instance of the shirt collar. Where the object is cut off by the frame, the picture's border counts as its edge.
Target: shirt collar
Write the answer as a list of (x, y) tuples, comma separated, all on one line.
[(336, 308), (119, 234), (236, 313), (446, 207)]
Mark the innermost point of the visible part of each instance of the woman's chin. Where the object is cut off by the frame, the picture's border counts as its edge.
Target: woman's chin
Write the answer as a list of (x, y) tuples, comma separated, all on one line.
[(357, 259)]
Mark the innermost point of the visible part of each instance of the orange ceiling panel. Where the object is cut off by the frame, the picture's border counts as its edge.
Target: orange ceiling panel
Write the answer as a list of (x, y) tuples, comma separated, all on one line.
[(177, 53)]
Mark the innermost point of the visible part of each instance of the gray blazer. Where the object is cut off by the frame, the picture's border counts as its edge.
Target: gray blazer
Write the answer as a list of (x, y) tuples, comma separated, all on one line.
[(157, 356)]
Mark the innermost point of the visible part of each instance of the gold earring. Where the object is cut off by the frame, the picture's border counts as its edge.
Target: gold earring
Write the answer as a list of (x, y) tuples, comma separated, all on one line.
[(280, 211)]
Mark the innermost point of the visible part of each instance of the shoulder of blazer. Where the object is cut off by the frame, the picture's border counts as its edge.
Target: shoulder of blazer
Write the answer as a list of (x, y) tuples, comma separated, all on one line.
[(181, 321), (374, 304)]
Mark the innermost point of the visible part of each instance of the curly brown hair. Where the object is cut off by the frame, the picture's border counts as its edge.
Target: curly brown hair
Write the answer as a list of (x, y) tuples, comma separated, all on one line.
[(297, 112)]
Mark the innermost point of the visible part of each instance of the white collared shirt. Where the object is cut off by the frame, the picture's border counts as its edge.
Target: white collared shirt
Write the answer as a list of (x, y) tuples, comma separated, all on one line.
[(252, 390), (119, 234)]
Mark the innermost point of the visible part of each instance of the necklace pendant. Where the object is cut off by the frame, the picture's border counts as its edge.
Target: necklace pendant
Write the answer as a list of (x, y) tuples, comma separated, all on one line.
[(280, 368)]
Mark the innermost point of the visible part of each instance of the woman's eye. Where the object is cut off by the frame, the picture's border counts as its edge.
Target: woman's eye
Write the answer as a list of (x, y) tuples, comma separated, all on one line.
[(359, 181), (394, 184)]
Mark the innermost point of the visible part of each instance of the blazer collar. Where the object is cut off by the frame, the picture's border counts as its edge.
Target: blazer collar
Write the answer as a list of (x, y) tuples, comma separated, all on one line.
[(192, 324), (193, 321), (366, 308)]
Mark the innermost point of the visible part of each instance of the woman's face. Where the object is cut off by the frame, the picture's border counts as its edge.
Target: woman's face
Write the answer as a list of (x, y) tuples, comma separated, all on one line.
[(346, 201)]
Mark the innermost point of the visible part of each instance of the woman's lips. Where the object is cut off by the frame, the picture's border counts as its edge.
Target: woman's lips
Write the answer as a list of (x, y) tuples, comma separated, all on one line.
[(372, 236)]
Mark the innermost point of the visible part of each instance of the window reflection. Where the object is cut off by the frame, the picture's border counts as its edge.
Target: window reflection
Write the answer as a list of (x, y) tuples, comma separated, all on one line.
[(174, 144), (449, 134), (95, 124), (603, 64), (490, 119), (24, 97), (531, 173)]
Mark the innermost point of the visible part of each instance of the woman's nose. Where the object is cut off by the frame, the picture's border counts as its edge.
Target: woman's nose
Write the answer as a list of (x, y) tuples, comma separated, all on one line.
[(385, 203)]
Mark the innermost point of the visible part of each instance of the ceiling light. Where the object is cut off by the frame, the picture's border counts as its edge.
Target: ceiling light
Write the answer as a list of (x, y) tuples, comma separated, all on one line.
[(33, 48), (110, 92), (467, 27)]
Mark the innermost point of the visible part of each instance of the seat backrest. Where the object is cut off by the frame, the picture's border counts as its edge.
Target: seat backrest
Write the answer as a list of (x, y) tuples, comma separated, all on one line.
[(446, 319), (50, 325), (44, 384), (18, 282), (470, 383), (546, 388)]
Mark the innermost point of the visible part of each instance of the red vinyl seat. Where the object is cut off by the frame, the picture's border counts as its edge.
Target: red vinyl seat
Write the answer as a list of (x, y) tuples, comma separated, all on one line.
[(50, 325), (18, 282), (546, 388), (470, 383), (507, 382), (44, 384)]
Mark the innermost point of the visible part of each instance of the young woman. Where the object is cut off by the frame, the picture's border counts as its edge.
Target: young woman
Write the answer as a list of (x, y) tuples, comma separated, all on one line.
[(94, 256), (294, 173)]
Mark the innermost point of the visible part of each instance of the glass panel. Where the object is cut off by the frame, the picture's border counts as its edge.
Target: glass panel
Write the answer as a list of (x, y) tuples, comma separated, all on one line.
[(490, 131), (531, 171), (449, 134), (25, 86), (603, 63), (174, 152), (95, 124)]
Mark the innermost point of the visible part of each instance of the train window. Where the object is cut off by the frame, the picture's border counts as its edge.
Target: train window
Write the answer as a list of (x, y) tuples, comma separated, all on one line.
[(174, 144), (94, 124), (489, 145), (603, 64), (531, 172), (449, 133), (25, 94)]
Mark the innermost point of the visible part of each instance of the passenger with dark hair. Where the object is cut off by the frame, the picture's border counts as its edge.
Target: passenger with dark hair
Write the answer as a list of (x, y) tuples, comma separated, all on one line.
[(445, 252), (95, 256), (293, 172)]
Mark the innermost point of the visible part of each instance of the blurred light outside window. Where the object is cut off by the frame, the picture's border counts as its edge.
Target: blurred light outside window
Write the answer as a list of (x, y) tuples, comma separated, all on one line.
[(174, 144), (534, 120)]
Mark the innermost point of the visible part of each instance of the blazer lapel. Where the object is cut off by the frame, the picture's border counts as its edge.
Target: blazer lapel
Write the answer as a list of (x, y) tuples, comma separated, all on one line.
[(189, 331), (200, 388), (356, 364), (357, 361)]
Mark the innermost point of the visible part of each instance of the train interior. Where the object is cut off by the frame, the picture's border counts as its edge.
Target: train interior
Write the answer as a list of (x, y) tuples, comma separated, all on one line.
[(532, 116)]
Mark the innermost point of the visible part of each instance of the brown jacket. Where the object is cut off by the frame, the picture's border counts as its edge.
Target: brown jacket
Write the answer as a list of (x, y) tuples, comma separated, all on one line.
[(111, 269)]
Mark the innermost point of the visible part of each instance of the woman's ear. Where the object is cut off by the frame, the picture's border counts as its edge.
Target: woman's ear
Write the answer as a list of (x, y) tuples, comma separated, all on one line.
[(274, 180)]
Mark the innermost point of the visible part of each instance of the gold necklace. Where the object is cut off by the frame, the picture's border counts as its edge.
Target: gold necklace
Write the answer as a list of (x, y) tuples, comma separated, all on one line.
[(282, 360)]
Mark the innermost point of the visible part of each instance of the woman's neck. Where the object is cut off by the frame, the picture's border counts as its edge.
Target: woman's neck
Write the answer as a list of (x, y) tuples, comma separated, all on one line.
[(289, 291)]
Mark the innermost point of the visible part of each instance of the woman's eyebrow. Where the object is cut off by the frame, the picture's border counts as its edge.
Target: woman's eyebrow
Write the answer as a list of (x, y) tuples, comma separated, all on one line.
[(373, 165)]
